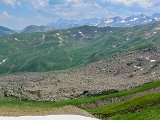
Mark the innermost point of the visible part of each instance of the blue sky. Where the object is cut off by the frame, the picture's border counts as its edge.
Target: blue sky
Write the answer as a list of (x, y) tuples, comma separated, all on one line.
[(17, 14)]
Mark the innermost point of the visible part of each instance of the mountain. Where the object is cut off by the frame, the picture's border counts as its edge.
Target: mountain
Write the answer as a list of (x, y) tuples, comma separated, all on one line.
[(156, 16), (6, 31), (129, 21), (34, 28), (103, 22), (63, 24), (70, 48)]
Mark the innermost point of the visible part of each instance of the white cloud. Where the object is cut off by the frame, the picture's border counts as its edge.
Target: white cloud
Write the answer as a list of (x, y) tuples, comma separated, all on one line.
[(78, 9), (5, 15), (142, 3), (12, 2), (38, 4)]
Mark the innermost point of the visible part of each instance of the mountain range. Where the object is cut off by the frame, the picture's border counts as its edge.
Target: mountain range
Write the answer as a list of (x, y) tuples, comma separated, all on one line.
[(99, 22), (103, 22)]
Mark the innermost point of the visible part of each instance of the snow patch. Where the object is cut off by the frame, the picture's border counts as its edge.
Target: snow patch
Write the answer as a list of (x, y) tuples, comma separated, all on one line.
[(60, 38), (114, 46), (134, 19), (81, 33), (16, 39), (43, 39), (123, 21), (3, 61), (147, 58), (61, 41), (43, 36), (109, 21), (153, 60), (154, 73), (49, 117), (57, 34), (158, 28), (137, 67)]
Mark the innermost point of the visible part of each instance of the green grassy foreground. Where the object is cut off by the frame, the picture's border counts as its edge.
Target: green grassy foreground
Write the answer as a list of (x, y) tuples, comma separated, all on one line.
[(128, 106), (142, 108), (148, 114)]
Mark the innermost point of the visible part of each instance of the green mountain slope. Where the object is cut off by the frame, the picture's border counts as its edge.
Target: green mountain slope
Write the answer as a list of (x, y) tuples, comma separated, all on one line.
[(63, 49)]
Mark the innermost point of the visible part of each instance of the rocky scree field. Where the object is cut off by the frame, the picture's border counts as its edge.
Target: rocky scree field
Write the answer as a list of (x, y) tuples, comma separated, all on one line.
[(123, 71)]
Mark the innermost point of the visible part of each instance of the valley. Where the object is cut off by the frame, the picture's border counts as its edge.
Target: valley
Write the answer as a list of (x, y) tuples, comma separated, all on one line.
[(102, 72)]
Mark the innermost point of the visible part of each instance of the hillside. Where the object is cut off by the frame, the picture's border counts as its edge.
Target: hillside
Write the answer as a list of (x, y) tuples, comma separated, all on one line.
[(6, 31), (115, 73), (71, 48)]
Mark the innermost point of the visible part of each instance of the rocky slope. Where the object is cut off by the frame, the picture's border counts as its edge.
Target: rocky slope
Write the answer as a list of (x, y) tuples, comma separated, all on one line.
[(118, 72)]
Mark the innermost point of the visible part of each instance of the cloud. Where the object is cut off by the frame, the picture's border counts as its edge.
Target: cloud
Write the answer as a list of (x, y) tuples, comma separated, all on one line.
[(38, 4), (39, 12), (12, 2), (5, 15), (76, 9), (13, 22), (141, 3)]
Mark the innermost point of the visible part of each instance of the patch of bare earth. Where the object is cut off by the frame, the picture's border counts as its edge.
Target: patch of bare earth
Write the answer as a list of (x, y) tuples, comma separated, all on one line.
[(39, 111)]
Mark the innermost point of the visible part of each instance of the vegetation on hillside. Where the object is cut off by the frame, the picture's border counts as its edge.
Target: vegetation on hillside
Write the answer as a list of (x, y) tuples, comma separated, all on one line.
[(70, 48)]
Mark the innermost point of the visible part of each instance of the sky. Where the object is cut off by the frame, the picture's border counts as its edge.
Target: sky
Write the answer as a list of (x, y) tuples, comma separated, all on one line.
[(17, 14)]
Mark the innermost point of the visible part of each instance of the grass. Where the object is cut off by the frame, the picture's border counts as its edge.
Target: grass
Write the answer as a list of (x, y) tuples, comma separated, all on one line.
[(147, 114), (10, 106), (9, 102), (133, 105)]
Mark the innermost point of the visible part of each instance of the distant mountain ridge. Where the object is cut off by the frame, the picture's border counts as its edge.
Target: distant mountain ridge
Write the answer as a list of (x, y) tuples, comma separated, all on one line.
[(6, 31), (28, 29), (98, 22), (34, 28), (104, 22)]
